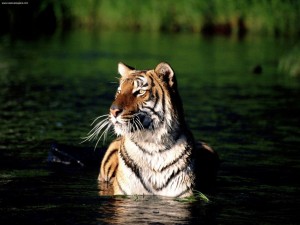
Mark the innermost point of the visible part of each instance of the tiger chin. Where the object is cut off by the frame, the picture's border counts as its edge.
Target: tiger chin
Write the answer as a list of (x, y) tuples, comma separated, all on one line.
[(155, 152)]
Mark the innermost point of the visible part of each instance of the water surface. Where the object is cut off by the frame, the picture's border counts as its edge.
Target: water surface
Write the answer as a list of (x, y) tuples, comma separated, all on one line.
[(51, 89)]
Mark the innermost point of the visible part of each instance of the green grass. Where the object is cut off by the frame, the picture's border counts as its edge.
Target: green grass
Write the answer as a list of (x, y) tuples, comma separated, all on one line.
[(257, 16), (197, 196)]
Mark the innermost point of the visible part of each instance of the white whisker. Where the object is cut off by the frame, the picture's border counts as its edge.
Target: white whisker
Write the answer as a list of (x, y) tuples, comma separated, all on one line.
[(139, 123), (100, 130), (98, 127), (104, 135), (99, 118)]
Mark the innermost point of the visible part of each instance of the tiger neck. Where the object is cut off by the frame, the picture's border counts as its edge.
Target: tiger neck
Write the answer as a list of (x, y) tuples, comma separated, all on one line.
[(159, 140)]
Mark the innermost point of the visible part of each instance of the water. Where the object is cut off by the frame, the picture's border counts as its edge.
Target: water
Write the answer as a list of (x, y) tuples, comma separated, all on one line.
[(51, 89)]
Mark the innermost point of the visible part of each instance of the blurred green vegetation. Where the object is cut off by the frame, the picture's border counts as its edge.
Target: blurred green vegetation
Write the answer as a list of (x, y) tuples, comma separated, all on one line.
[(272, 17), (290, 63)]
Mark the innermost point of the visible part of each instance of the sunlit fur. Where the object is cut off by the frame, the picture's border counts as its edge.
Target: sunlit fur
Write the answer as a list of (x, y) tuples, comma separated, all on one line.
[(154, 151)]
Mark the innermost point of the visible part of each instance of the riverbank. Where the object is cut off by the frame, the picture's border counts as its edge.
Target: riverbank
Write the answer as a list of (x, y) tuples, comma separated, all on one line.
[(271, 17)]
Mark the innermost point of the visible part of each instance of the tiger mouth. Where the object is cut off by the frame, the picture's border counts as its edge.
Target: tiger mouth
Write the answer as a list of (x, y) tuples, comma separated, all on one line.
[(135, 123)]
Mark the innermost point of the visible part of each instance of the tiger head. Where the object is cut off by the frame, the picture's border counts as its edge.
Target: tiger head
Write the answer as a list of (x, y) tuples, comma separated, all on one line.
[(146, 101)]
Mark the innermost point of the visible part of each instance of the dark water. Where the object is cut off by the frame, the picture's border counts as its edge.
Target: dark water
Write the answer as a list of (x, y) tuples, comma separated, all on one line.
[(51, 89)]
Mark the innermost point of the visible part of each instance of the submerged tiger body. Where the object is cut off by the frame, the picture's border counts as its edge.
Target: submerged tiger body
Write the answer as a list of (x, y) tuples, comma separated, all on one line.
[(155, 153)]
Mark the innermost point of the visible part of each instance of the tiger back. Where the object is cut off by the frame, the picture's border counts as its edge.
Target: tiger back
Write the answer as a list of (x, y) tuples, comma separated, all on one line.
[(155, 152)]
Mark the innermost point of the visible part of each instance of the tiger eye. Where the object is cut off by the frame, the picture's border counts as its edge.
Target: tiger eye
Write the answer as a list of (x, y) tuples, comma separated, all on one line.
[(141, 92)]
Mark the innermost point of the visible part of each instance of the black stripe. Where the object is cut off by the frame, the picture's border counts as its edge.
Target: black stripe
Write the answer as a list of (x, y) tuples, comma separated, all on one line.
[(114, 172), (154, 112), (156, 98), (163, 99), (140, 80), (134, 168), (142, 149), (170, 146), (151, 78), (140, 77), (173, 175), (108, 157), (160, 115), (176, 160), (163, 93)]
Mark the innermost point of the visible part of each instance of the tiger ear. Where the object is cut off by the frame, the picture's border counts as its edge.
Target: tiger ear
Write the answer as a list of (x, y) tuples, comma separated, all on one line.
[(165, 73), (124, 69)]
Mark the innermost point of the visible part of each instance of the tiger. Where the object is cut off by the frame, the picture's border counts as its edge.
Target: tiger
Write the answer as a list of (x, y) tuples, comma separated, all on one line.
[(155, 152)]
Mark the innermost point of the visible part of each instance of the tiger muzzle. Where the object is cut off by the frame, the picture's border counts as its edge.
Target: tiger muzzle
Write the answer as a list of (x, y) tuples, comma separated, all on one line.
[(115, 110)]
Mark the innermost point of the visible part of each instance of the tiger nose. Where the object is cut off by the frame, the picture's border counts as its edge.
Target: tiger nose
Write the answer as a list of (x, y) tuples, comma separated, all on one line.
[(115, 110)]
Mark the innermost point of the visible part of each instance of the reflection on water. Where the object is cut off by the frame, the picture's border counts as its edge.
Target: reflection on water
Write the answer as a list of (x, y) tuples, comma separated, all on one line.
[(149, 209), (105, 189), (51, 89), (144, 209), (153, 210)]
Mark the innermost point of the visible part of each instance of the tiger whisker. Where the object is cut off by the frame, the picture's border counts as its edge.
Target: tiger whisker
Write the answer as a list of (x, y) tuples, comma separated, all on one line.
[(104, 135), (101, 128), (139, 123), (97, 118), (98, 127)]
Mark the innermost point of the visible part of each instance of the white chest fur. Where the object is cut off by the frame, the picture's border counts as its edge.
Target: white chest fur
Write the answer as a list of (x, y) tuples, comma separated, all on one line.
[(147, 168)]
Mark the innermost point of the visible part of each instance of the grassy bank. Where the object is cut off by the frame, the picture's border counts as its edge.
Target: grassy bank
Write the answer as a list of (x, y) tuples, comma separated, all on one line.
[(257, 16), (274, 17)]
